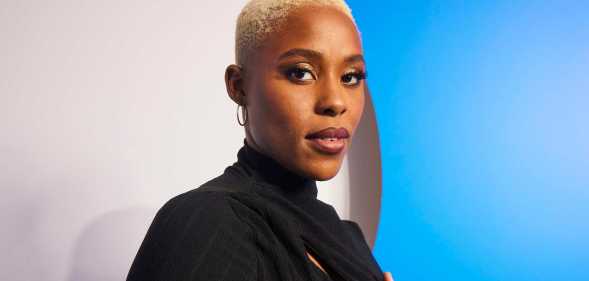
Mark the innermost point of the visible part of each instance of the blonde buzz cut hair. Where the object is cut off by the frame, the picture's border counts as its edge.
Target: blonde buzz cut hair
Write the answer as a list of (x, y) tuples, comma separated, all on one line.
[(259, 18)]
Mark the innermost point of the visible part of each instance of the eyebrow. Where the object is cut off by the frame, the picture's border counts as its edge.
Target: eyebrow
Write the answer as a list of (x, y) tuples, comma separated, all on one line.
[(314, 55), (306, 53), (355, 58)]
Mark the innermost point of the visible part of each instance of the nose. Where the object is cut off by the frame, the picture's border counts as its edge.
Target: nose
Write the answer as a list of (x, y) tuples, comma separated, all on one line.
[(331, 100)]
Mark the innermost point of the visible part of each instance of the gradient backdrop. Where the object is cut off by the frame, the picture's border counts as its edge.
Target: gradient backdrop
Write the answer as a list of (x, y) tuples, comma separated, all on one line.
[(482, 110)]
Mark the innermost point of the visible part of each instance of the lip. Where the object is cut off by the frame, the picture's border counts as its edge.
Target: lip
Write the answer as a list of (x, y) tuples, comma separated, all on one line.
[(330, 140)]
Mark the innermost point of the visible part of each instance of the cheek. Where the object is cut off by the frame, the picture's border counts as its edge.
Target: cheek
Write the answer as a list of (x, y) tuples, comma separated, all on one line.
[(286, 108), (357, 108)]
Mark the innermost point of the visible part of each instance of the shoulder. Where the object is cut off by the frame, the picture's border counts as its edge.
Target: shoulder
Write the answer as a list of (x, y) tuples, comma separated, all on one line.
[(353, 227), (192, 235), (205, 205), (358, 238)]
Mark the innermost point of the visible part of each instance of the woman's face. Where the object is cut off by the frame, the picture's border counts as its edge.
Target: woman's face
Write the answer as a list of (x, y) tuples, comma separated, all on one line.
[(306, 77)]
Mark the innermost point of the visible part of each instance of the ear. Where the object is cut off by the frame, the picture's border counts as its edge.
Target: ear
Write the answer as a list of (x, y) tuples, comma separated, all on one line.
[(234, 82)]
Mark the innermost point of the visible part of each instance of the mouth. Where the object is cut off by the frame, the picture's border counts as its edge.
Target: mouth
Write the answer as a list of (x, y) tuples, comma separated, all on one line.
[(330, 140)]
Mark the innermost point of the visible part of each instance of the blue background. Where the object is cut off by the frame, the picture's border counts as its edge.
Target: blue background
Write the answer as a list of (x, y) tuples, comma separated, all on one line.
[(482, 110)]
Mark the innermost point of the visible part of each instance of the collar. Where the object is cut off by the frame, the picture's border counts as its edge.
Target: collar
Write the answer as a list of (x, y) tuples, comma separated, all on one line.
[(267, 172)]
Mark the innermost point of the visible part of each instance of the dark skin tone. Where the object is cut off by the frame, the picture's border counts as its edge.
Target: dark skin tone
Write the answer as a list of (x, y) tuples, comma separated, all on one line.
[(307, 76), (293, 85)]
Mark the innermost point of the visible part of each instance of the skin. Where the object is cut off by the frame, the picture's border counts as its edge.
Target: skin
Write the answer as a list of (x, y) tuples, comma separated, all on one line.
[(283, 109), (289, 94)]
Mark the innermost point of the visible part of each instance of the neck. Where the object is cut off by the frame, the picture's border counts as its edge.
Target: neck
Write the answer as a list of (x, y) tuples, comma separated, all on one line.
[(266, 170)]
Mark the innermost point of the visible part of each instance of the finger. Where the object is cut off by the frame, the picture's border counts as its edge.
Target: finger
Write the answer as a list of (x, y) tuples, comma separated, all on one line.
[(388, 276)]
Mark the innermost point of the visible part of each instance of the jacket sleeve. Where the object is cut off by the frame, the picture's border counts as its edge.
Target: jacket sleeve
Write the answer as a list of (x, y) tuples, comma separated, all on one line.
[(359, 242), (197, 236)]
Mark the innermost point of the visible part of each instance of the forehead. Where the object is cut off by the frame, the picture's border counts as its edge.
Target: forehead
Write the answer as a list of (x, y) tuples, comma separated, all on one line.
[(320, 28)]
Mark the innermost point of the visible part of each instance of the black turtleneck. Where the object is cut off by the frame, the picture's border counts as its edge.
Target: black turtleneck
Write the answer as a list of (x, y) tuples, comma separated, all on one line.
[(253, 222)]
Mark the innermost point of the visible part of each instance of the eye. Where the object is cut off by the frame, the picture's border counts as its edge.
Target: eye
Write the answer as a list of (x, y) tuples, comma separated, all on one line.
[(300, 74), (353, 78)]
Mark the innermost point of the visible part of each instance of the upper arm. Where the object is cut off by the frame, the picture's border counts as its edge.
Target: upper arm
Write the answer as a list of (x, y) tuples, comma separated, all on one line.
[(360, 243), (197, 236)]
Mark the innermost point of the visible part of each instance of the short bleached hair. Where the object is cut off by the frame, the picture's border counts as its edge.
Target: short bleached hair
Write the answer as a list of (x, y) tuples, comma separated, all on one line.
[(259, 18)]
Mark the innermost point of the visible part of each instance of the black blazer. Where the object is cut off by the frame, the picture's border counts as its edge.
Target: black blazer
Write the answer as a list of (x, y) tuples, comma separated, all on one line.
[(253, 222)]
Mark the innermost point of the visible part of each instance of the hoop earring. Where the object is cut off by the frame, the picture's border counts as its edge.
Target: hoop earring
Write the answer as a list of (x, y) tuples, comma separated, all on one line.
[(244, 113)]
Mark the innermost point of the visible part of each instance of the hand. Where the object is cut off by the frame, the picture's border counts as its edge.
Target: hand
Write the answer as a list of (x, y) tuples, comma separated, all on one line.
[(388, 276)]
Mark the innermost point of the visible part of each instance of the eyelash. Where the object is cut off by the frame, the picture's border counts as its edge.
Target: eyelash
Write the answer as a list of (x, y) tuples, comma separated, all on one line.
[(359, 75), (289, 73), (297, 70)]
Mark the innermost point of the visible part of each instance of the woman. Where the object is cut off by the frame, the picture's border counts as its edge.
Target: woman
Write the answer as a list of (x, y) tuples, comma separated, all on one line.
[(299, 80)]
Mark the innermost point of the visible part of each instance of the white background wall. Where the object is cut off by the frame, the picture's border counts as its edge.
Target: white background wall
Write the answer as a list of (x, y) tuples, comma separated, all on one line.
[(107, 110)]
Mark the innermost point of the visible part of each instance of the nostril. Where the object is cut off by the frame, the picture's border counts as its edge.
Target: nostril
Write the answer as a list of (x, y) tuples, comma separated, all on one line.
[(329, 111), (332, 112)]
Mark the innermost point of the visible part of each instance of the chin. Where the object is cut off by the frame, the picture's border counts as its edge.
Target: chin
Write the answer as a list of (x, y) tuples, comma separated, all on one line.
[(324, 177), (325, 172), (318, 168)]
